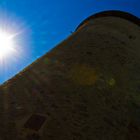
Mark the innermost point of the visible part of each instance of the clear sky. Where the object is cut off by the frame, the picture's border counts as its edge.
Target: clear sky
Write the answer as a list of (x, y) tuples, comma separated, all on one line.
[(41, 24)]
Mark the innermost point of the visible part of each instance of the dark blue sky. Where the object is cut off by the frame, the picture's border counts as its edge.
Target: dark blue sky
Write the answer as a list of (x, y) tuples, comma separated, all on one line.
[(48, 22)]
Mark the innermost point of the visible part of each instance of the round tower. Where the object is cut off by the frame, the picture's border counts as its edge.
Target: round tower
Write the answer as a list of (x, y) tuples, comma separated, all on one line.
[(86, 88)]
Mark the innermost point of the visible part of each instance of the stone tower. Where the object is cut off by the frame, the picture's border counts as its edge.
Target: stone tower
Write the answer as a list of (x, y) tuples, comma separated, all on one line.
[(86, 88)]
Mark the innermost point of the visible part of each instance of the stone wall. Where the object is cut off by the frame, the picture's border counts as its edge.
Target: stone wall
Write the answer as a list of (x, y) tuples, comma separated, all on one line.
[(86, 88)]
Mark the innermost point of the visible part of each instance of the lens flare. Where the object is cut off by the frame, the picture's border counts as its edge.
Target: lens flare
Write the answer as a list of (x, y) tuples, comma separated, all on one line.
[(15, 44), (7, 44)]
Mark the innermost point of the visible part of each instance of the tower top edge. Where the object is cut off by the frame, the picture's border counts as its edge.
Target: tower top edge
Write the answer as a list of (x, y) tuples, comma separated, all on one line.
[(112, 13)]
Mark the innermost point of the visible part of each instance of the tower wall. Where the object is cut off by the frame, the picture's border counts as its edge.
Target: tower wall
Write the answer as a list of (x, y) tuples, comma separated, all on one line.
[(86, 88)]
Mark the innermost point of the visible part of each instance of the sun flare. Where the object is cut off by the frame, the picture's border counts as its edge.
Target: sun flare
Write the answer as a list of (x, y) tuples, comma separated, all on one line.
[(7, 43)]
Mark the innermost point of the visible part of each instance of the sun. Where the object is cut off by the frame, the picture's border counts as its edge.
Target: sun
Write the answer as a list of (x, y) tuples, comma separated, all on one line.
[(7, 43)]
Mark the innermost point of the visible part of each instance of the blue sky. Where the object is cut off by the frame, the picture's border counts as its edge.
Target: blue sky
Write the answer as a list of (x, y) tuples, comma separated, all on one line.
[(45, 23)]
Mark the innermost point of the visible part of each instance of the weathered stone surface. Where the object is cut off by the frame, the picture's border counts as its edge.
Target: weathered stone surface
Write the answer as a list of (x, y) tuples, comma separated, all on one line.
[(87, 87)]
